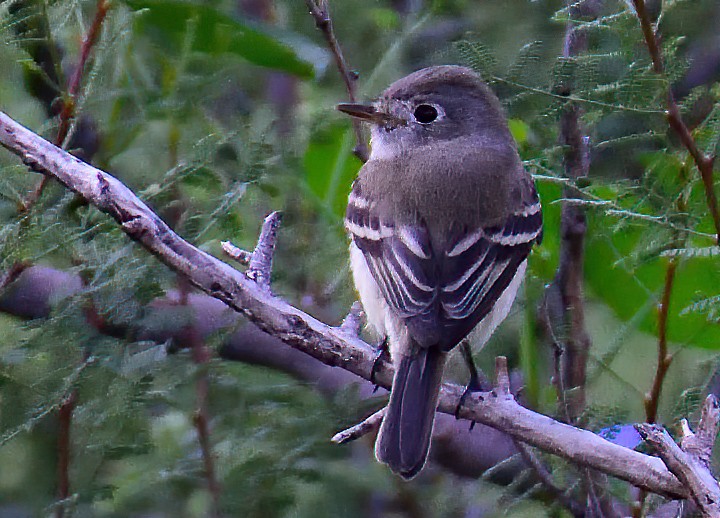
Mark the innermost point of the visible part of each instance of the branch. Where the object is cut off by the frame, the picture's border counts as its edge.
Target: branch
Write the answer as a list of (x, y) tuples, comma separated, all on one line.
[(320, 12), (652, 399), (547, 481), (703, 162), (64, 446), (332, 346), (700, 444), (693, 473), (202, 355), (364, 427), (260, 261), (165, 320)]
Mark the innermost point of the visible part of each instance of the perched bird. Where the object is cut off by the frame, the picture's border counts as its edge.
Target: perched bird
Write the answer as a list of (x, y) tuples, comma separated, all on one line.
[(441, 218)]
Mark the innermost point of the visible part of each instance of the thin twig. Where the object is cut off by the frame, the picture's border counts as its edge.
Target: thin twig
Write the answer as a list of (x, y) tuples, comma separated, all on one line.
[(237, 254), (321, 14), (69, 104), (201, 355), (364, 427), (68, 111), (260, 261), (260, 265), (703, 162), (65, 415), (546, 479), (652, 399)]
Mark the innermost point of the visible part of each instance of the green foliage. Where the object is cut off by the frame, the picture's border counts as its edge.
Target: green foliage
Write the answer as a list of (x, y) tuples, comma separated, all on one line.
[(631, 224), (330, 167), (217, 117), (176, 25)]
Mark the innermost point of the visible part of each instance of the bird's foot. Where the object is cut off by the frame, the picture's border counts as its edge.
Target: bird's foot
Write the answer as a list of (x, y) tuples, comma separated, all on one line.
[(383, 354), (473, 386)]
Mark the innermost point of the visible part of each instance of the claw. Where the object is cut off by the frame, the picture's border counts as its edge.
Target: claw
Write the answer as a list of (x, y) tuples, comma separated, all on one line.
[(474, 384), (472, 387), (383, 354)]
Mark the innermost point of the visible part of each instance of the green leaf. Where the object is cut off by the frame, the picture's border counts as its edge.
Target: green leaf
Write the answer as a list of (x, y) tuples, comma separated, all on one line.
[(627, 285), (216, 33), (544, 259), (519, 130), (330, 166)]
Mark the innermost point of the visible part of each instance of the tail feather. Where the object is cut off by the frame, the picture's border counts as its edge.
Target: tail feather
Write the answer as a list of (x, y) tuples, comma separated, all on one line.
[(404, 438)]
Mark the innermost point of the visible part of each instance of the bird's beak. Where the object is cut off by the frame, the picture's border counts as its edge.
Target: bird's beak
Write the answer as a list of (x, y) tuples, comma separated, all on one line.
[(361, 111), (369, 113)]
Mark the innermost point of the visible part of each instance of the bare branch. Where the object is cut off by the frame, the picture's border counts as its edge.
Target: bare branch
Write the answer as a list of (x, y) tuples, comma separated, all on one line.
[(321, 13), (259, 262), (260, 266), (237, 254), (700, 444), (502, 378), (367, 425), (303, 332), (455, 449), (652, 399), (354, 319), (692, 473)]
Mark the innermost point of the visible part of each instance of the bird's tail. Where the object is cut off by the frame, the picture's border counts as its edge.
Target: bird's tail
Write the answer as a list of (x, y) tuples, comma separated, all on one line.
[(404, 438)]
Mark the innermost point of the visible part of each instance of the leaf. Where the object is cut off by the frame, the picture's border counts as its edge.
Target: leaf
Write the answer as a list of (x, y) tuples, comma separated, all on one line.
[(627, 284), (544, 259), (479, 56), (330, 166), (519, 130), (216, 33), (203, 177)]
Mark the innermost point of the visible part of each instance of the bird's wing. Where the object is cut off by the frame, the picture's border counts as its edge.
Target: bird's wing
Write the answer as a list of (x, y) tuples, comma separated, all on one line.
[(480, 263), (442, 294), (399, 257)]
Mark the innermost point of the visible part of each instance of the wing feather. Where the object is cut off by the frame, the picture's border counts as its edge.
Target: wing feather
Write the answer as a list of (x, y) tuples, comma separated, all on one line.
[(442, 292)]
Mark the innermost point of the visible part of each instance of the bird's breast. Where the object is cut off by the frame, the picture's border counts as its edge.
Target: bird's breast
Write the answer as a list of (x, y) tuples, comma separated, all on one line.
[(443, 185)]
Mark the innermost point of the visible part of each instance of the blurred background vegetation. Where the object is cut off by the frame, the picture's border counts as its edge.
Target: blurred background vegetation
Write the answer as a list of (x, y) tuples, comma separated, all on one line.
[(218, 112)]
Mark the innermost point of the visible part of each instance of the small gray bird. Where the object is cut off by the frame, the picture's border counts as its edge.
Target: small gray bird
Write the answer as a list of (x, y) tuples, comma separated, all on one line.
[(441, 218)]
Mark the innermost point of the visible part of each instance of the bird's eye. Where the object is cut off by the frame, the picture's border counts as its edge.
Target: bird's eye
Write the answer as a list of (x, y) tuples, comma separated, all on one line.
[(425, 113)]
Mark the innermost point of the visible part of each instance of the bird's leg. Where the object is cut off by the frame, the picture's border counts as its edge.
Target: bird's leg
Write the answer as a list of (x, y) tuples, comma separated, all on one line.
[(383, 353), (477, 380)]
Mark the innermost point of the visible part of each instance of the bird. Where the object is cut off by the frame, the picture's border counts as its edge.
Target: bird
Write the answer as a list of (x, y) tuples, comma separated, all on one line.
[(441, 219)]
